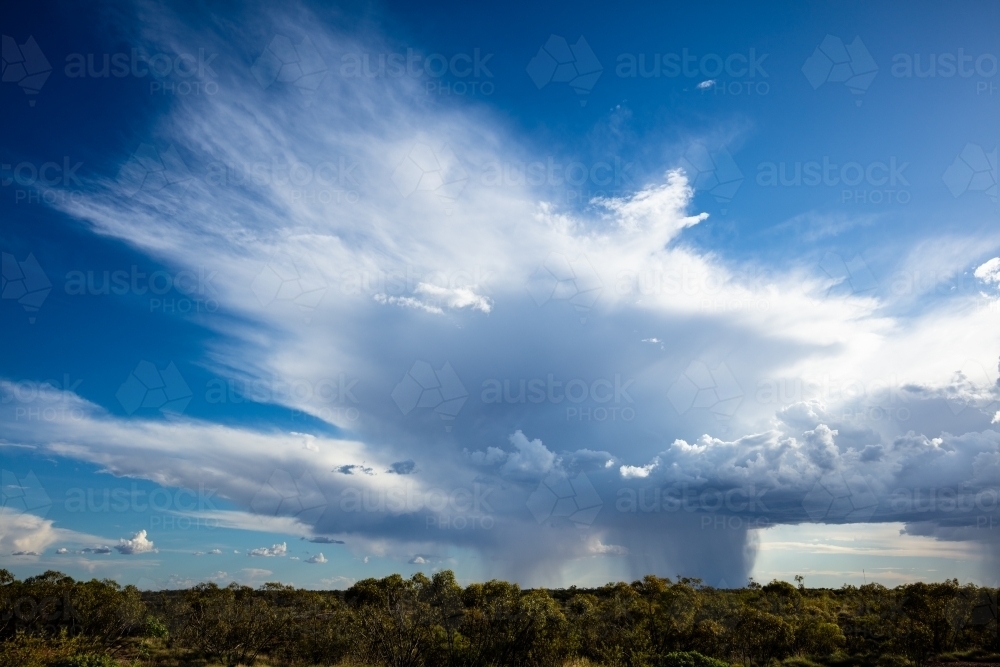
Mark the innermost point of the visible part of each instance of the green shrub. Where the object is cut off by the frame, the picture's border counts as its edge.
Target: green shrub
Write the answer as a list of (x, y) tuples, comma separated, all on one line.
[(89, 660), (154, 627), (689, 659)]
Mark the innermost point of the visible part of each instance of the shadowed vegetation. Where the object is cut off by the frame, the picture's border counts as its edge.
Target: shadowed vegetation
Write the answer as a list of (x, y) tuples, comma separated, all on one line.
[(52, 620)]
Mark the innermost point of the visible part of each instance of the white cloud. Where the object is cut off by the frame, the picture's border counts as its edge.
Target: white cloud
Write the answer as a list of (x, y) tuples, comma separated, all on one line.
[(275, 550), (137, 544), (530, 458), (637, 472), (412, 251), (318, 558), (989, 271), (27, 532)]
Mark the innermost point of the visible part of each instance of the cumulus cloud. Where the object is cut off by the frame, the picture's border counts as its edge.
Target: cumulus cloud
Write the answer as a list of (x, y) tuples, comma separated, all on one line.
[(137, 544), (274, 550), (318, 558), (989, 271), (530, 457), (812, 368)]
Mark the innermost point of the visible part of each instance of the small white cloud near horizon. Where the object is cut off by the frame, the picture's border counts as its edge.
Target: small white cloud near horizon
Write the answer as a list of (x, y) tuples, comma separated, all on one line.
[(138, 544), (274, 550)]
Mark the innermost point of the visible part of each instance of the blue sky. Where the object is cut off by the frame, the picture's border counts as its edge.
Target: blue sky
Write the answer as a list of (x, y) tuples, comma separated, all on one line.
[(560, 295)]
